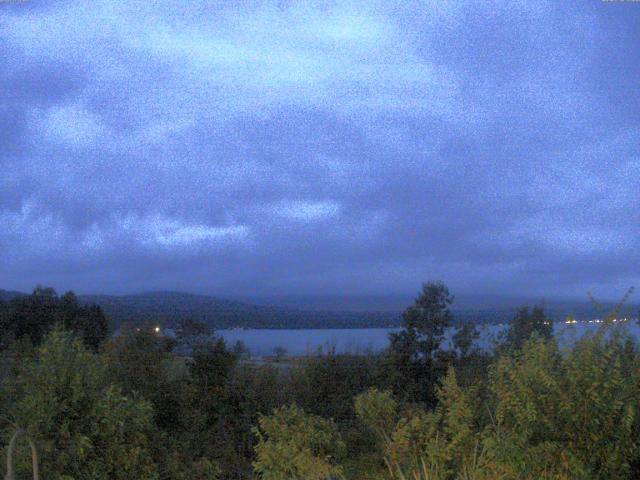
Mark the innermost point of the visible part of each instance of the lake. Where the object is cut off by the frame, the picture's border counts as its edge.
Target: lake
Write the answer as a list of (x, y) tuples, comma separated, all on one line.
[(361, 340)]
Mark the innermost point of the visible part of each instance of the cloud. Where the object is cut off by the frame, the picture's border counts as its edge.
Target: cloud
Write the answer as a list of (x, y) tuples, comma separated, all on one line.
[(167, 232), (307, 211), (33, 230), (69, 125), (310, 145)]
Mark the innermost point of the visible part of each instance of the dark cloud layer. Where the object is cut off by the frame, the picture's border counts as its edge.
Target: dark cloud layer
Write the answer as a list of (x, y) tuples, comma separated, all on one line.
[(342, 147)]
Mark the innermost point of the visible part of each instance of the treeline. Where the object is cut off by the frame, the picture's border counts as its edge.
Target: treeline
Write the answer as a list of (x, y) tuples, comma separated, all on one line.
[(129, 408), (30, 317)]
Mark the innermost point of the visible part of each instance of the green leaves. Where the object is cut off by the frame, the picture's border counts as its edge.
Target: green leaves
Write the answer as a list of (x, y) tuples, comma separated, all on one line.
[(84, 427), (573, 415), (136, 411), (425, 322), (378, 411), (293, 445), (415, 358), (540, 413), (425, 445)]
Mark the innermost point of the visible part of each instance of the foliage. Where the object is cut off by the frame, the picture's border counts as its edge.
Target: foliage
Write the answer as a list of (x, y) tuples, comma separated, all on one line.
[(568, 416), (541, 413), (252, 391), (424, 323), (191, 335), (240, 350), (465, 337), (84, 426), (135, 409), (139, 360), (211, 364), (378, 411), (33, 316), (419, 444), (325, 384), (204, 406), (415, 360), (279, 353), (181, 394), (293, 445), (525, 324)]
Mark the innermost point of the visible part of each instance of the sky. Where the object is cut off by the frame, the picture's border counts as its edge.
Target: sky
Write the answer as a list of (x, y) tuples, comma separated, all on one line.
[(320, 148)]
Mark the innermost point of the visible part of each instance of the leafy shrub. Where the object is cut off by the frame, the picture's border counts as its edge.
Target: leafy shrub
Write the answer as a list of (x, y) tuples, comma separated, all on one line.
[(293, 445)]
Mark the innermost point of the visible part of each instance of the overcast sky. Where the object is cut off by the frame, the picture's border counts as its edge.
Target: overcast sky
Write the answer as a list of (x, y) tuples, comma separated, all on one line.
[(340, 148)]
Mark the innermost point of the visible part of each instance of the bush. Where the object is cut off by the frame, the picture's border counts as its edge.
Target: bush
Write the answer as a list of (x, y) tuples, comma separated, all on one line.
[(84, 427), (293, 445)]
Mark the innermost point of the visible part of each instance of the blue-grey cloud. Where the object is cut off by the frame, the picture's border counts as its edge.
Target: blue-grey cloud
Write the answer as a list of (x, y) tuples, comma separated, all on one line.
[(333, 147)]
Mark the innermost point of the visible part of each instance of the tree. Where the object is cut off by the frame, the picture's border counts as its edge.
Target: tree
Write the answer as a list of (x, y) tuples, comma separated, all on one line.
[(139, 361), (241, 350), (191, 334), (425, 322), (84, 427), (11, 451), (192, 328), (465, 337), (325, 384), (33, 316), (211, 364), (252, 390), (279, 353), (293, 445), (89, 322), (525, 324), (413, 362)]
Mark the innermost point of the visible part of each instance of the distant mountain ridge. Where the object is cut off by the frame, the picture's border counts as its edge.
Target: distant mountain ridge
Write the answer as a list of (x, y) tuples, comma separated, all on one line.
[(169, 307), (6, 295)]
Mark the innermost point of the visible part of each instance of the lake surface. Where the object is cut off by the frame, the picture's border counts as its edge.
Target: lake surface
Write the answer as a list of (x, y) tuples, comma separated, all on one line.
[(361, 340)]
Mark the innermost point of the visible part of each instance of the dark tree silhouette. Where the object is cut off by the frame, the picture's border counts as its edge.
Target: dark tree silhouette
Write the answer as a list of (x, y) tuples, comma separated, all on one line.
[(526, 323)]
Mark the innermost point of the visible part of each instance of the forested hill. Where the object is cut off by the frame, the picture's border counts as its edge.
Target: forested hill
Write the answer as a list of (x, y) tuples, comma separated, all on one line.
[(6, 295), (170, 307)]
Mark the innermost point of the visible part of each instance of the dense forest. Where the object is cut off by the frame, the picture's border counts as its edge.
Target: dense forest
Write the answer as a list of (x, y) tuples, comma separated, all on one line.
[(96, 406)]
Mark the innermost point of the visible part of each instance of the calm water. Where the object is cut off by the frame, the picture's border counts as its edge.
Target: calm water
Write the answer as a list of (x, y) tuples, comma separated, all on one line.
[(360, 340)]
